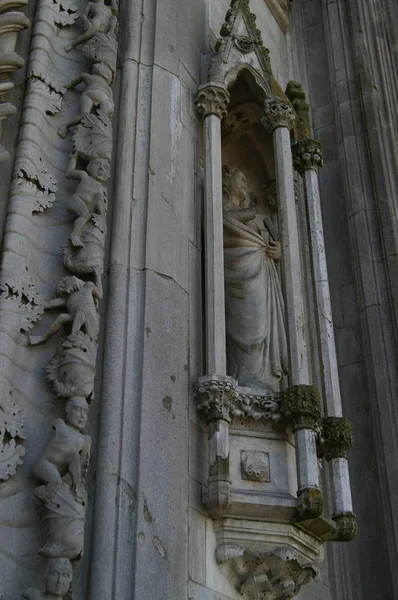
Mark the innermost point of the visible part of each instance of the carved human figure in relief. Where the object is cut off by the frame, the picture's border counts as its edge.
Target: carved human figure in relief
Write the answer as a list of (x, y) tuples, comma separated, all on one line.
[(68, 451), (58, 578), (98, 94), (97, 17), (255, 330), (90, 195), (80, 298)]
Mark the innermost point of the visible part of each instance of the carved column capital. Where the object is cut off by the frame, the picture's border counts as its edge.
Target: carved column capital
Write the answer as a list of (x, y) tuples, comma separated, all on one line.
[(336, 438), (215, 396), (277, 113), (212, 99), (307, 154), (300, 405)]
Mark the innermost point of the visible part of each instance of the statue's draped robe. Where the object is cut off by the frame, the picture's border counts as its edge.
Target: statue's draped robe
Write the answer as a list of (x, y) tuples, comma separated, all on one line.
[(256, 338)]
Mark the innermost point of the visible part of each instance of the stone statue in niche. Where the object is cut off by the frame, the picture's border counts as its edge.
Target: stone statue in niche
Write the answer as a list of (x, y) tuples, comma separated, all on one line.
[(80, 298), (62, 469), (89, 199), (255, 329), (97, 17), (58, 578), (98, 94)]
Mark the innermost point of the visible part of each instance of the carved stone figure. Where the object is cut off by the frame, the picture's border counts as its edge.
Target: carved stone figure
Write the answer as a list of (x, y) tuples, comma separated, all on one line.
[(96, 18), (80, 298), (72, 368), (62, 468), (97, 94), (68, 450), (90, 195), (256, 338), (88, 260), (58, 578)]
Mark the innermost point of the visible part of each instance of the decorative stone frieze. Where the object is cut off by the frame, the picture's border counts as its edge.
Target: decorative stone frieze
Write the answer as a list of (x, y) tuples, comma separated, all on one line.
[(260, 406), (277, 575), (212, 99), (307, 154), (215, 396), (277, 113), (11, 23), (300, 406), (336, 438), (11, 436)]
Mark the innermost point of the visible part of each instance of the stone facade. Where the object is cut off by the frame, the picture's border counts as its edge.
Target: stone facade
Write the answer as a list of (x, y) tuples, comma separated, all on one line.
[(145, 146)]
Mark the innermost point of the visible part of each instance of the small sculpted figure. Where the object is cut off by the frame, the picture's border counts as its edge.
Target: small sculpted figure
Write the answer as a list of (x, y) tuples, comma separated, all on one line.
[(80, 298), (68, 451), (58, 578), (97, 94), (90, 195), (256, 339), (97, 17)]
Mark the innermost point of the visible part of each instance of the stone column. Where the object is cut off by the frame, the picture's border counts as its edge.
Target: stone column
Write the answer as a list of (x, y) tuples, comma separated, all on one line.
[(211, 104), (278, 118), (215, 389), (214, 398), (307, 157)]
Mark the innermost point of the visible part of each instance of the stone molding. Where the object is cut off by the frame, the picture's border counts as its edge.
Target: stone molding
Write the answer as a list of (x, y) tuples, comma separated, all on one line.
[(336, 437), (277, 113), (275, 575), (11, 23), (307, 154), (212, 99), (300, 406)]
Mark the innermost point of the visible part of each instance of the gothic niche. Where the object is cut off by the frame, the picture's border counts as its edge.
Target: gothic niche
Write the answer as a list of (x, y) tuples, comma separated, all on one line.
[(256, 345)]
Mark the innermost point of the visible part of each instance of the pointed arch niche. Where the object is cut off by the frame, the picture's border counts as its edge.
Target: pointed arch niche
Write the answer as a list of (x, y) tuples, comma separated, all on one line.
[(263, 488)]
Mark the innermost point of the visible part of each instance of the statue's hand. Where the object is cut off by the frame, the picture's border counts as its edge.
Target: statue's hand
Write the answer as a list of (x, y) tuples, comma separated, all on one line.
[(273, 250)]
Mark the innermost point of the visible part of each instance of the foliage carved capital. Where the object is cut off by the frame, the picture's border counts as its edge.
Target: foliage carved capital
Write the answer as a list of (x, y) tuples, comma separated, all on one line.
[(216, 396), (300, 406), (336, 437), (212, 99), (307, 154), (277, 113)]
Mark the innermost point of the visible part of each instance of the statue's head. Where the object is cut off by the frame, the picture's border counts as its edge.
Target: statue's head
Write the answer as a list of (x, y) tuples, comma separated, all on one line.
[(234, 185), (76, 412), (58, 576), (69, 284), (99, 169)]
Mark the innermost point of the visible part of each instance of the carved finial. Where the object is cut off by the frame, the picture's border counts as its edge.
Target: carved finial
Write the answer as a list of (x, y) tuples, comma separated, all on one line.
[(277, 113), (295, 93), (212, 99)]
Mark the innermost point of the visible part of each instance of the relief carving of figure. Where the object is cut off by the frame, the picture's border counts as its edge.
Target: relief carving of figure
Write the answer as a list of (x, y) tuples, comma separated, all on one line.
[(98, 94), (62, 469), (89, 199), (97, 17), (58, 578), (80, 298), (255, 330), (68, 451)]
